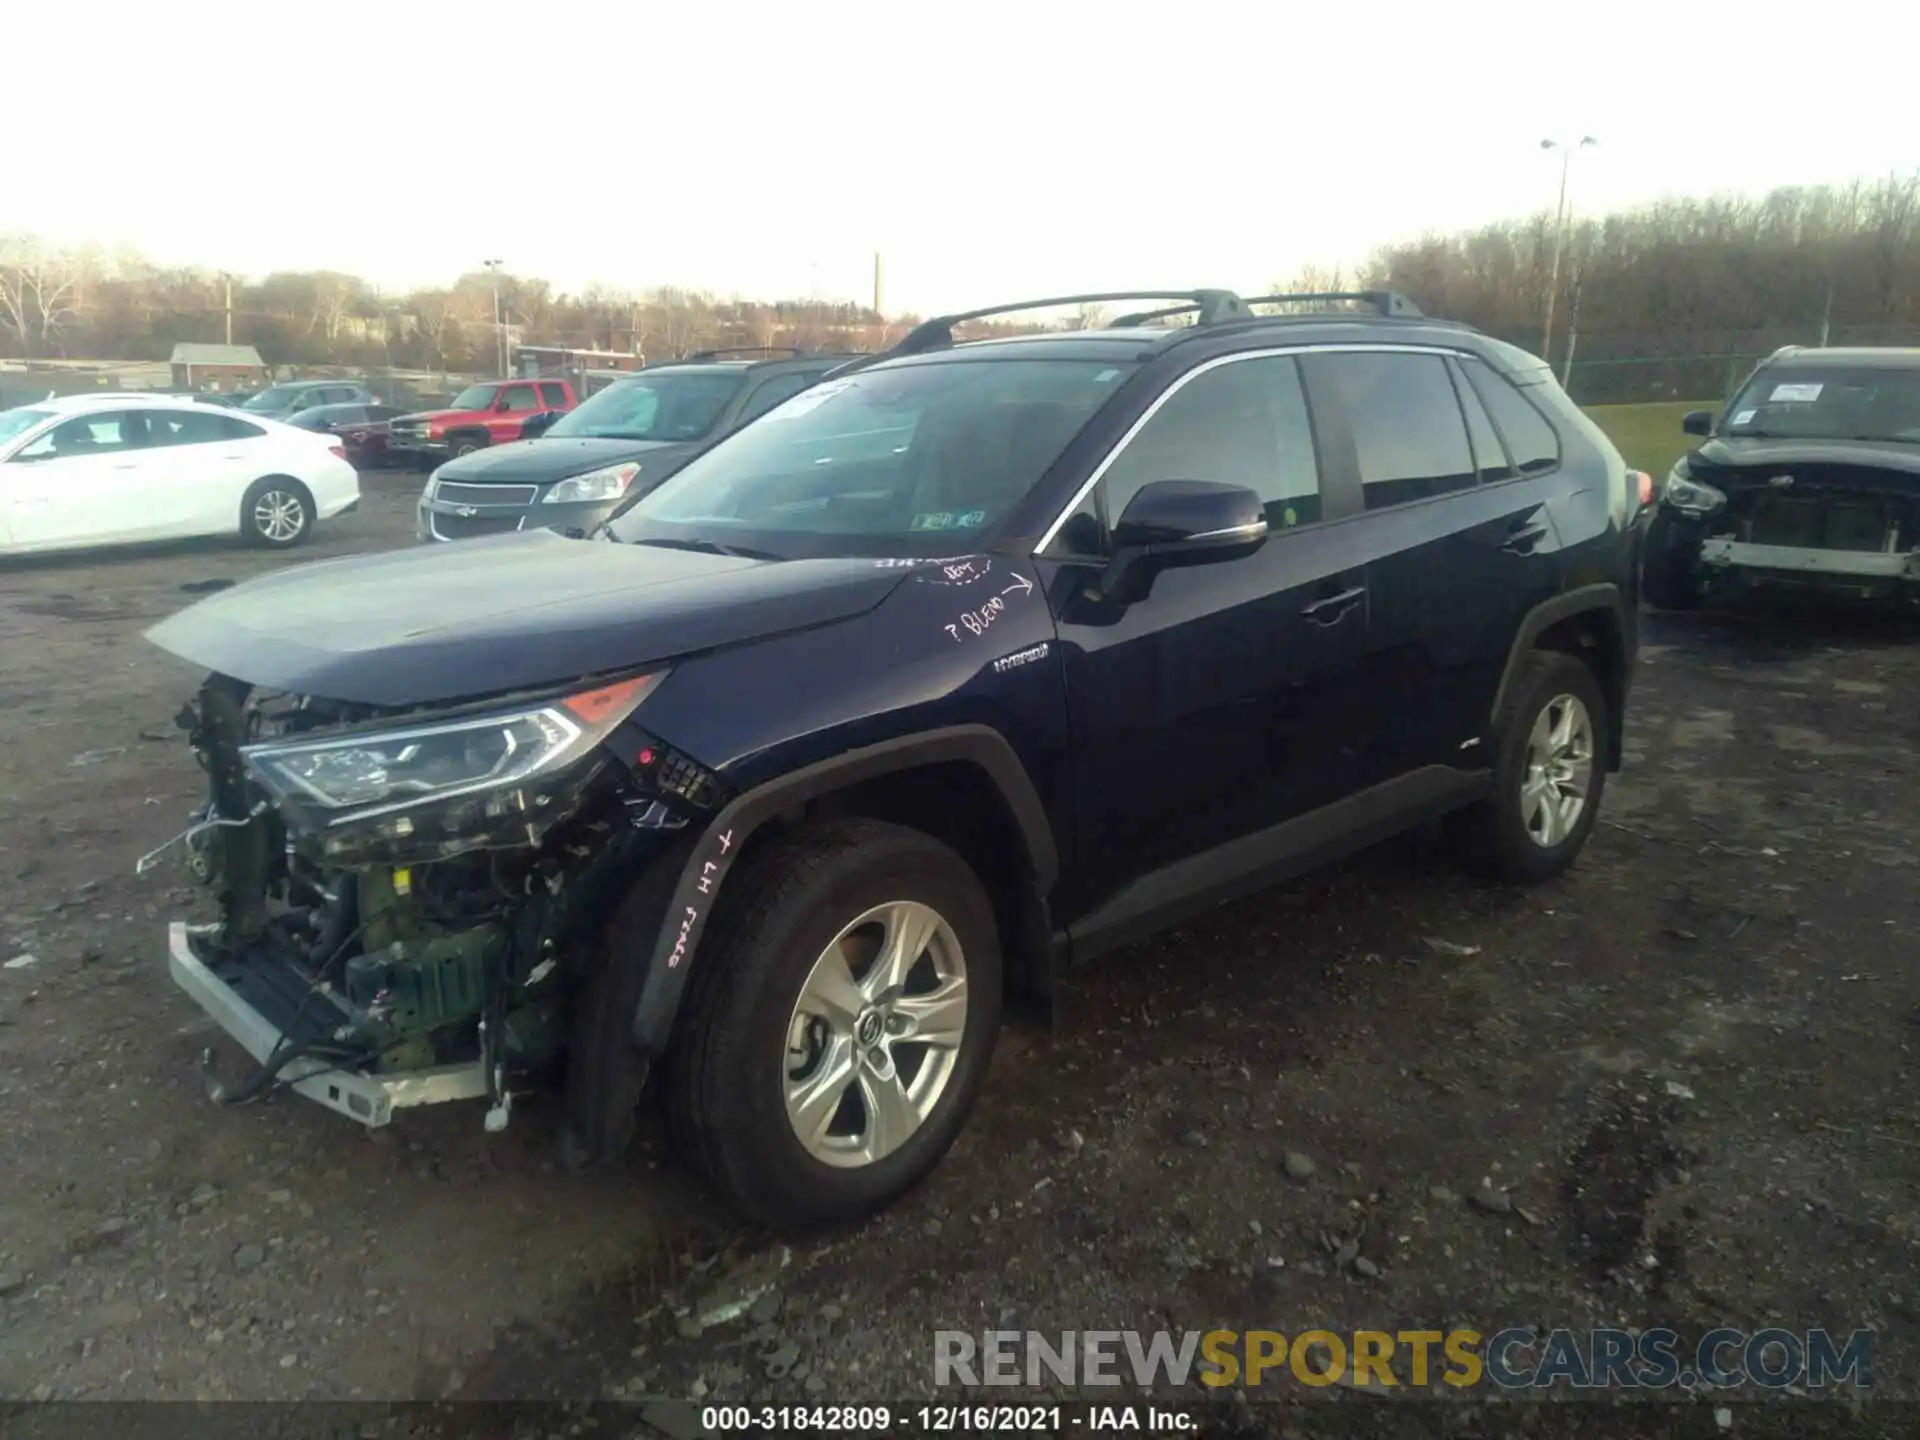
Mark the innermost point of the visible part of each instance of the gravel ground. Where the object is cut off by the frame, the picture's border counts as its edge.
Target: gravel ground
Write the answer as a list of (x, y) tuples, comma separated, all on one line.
[(1675, 1087)]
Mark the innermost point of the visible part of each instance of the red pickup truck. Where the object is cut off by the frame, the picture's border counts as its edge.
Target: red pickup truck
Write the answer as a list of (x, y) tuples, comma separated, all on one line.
[(490, 413)]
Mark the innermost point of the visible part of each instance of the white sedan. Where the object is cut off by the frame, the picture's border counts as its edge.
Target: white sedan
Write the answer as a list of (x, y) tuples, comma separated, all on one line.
[(119, 469)]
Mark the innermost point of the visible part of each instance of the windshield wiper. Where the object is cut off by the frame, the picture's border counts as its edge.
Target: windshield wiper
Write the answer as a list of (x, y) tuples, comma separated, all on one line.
[(713, 547)]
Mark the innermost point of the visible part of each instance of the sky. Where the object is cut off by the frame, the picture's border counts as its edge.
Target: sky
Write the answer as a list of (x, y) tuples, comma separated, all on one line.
[(988, 151)]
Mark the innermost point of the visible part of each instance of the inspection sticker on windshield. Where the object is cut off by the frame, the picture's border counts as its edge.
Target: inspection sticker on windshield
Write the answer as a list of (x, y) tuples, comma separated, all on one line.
[(1743, 416), (935, 520), (1802, 393), (807, 400)]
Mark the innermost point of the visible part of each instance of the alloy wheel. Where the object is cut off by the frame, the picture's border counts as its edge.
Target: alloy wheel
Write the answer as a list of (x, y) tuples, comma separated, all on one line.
[(279, 516), (875, 1034), (1559, 771)]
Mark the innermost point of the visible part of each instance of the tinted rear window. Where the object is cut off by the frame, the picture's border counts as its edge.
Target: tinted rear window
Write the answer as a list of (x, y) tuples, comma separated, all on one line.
[(1408, 432)]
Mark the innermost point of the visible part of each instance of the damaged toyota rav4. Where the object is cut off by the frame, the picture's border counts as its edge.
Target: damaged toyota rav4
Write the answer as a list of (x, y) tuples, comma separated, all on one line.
[(969, 664), (1809, 483)]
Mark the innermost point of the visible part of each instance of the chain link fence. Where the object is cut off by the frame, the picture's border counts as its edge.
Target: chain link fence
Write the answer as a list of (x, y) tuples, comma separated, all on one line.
[(1611, 368)]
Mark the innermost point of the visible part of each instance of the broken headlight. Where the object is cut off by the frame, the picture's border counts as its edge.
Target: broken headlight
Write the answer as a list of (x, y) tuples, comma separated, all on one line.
[(1688, 495), (442, 787)]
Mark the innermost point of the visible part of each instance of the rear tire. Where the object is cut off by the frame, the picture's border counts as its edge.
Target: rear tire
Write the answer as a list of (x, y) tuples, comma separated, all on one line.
[(276, 513), (1666, 573), (1550, 769), (784, 1011)]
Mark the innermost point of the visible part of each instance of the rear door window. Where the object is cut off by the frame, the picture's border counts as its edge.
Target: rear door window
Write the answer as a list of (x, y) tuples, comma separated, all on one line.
[(1409, 435), (554, 397)]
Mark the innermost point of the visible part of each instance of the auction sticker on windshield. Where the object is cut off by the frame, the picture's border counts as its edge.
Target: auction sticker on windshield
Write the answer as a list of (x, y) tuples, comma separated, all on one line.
[(1802, 393)]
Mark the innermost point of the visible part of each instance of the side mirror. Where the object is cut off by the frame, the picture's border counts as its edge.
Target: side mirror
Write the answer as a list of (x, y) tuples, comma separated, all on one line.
[(539, 423), (1179, 522), (501, 406), (1697, 422)]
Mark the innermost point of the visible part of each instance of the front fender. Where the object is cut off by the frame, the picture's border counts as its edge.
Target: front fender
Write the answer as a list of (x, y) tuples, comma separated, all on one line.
[(712, 856)]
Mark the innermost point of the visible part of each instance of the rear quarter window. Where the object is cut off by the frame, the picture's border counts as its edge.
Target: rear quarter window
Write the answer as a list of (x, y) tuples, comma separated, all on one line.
[(1531, 439)]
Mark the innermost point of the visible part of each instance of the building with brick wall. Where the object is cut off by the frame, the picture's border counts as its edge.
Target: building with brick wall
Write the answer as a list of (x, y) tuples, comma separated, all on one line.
[(217, 367)]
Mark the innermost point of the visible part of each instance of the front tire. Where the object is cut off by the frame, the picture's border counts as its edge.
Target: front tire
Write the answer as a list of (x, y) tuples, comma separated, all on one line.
[(839, 1023), (466, 445), (1549, 771), (276, 513)]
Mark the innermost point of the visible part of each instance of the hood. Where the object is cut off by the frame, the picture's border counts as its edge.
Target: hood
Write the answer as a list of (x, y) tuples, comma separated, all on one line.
[(550, 458), (455, 622), (429, 416), (1733, 452)]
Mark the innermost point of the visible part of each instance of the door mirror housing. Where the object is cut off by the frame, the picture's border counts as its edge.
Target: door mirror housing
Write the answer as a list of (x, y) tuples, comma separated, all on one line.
[(502, 405), (538, 423), (1179, 522), (1697, 422)]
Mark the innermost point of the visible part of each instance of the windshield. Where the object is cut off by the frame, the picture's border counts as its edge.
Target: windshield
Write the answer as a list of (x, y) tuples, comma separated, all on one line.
[(1829, 403), (661, 407), (18, 422), (474, 397), (276, 397), (908, 460)]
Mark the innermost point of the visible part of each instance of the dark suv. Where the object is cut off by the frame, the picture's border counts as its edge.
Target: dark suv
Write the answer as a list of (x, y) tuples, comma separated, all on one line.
[(575, 469), (277, 402), (1809, 482), (967, 665)]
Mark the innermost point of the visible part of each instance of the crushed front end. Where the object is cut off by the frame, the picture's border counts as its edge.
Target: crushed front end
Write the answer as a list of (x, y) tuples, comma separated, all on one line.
[(1846, 531), (410, 901)]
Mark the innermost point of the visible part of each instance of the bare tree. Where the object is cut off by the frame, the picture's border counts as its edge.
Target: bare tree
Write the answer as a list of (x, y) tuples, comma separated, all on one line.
[(38, 289), (1089, 317)]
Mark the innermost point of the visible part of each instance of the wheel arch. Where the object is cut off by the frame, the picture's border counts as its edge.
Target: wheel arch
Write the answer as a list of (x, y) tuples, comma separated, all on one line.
[(1593, 624), (993, 816)]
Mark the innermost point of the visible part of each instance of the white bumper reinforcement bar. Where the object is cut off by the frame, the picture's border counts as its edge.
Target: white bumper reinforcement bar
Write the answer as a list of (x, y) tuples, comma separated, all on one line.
[(370, 1099), (1855, 564)]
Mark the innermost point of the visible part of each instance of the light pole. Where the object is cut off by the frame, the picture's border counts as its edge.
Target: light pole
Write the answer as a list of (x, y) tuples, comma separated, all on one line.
[(1559, 233), (499, 333)]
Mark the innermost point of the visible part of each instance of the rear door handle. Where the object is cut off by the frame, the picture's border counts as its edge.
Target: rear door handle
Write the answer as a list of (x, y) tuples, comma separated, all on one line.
[(1331, 610), (1521, 539)]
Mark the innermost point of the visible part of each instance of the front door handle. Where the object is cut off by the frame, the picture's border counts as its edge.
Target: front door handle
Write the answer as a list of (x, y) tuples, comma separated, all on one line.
[(1334, 608), (1521, 539)]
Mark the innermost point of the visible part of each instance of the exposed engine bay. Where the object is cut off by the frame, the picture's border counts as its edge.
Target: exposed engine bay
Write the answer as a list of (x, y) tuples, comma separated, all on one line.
[(1838, 528), (409, 901)]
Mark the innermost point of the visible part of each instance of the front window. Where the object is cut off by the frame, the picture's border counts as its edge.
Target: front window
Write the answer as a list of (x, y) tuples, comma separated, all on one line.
[(17, 422), (274, 397), (474, 397), (908, 460), (660, 407), (1829, 402)]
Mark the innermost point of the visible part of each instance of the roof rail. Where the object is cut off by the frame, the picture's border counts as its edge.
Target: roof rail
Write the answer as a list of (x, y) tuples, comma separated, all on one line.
[(747, 350), (1213, 305), (1389, 303)]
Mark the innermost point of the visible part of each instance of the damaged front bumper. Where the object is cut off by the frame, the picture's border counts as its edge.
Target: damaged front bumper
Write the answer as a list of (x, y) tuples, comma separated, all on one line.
[(370, 1099), (394, 933), (1855, 574)]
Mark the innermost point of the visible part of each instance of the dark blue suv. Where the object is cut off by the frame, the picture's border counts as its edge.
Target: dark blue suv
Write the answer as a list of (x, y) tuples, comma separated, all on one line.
[(956, 670)]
